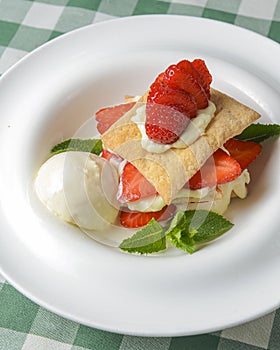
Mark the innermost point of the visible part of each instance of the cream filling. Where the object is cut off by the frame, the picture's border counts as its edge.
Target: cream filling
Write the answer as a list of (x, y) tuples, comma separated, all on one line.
[(156, 203), (216, 199), (193, 131)]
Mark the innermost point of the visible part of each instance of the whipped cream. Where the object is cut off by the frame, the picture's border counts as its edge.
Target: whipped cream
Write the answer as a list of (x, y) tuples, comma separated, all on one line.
[(156, 203), (216, 199), (195, 128), (148, 204), (223, 194)]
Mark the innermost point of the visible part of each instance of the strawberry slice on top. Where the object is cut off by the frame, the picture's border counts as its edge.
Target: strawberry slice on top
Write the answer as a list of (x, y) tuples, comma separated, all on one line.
[(165, 125), (177, 77), (168, 113), (183, 87), (179, 100), (190, 68), (203, 71), (218, 169)]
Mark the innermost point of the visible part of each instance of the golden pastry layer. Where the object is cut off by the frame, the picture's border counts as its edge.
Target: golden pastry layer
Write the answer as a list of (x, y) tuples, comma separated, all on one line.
[(169, 171)]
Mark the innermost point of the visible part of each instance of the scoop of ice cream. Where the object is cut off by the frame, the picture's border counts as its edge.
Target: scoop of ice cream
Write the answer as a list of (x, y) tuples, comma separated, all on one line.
[(80, 188)]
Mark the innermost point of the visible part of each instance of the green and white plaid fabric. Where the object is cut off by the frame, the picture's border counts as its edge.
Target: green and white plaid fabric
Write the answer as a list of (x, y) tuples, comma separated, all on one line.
[(25, 25)]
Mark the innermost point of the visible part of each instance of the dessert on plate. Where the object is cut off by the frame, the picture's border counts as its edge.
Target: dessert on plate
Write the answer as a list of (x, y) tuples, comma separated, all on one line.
[(180, 126), (175, 153)]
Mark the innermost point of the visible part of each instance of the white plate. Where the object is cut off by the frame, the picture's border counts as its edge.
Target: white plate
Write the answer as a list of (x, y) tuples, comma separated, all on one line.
[(49, 95)]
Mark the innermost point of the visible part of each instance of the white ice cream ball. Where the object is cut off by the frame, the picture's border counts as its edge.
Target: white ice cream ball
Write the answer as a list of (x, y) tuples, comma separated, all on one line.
[(80, 188)]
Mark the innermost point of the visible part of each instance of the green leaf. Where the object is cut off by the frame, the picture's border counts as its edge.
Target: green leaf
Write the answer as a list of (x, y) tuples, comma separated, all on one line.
[(259, 132), (149, 239), (190, 229), (179, 235), (89, 145)]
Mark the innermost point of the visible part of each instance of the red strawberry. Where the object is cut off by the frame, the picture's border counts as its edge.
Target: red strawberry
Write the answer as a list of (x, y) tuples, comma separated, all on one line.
[(168, 112), (106, 154), (178, 78), (164, 124), (111, 156), (219, 169), (190, 68), (184, 87), (179, 100), (202, 69), (133, 185), (134, 219), (243, 151), (109, 115)]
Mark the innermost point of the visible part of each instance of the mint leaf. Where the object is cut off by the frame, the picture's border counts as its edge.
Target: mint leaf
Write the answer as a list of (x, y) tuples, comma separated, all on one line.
[(259, 132), (179, 233), (190, 229), (149, 239), (89, 145)]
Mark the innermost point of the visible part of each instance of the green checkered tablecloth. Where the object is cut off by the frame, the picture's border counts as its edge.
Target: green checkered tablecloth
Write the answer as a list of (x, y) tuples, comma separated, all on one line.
[(26, 24)]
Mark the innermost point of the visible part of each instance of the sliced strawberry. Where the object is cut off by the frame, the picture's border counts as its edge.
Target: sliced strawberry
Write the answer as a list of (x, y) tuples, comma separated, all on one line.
[(202, 69), (243, 151), (184, 87), (164, 124), (178, 78), (106, 154), (134, 219), (168, 113), (190, 68), (111, 156), (159, 79), (133, 185), (179, 100), (162, 135), (109, 115), (219, 169)]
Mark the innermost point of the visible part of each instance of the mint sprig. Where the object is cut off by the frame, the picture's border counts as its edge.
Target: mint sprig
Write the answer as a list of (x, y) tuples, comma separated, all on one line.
[(88, 145), (259, 132), (149, 239), (191, 229), (188, 231)]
